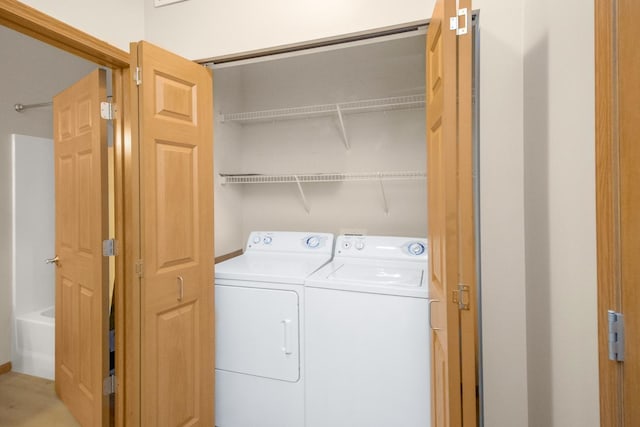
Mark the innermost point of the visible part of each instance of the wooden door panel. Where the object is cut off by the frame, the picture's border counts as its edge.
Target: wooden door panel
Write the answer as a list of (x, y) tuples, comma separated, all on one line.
[(450, 207), (467, 258), (86, 320), (81, 224), (84, 192), (65, 345), (65, 177), (175, 101), (177, 332), (177, 204), (441, 140), (436, 217), (440, 377)]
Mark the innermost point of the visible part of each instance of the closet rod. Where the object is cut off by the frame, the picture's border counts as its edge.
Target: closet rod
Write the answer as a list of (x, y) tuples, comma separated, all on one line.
[(21, 107)]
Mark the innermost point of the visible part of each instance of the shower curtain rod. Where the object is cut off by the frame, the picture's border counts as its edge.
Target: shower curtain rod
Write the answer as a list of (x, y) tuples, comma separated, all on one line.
[(21, 107)]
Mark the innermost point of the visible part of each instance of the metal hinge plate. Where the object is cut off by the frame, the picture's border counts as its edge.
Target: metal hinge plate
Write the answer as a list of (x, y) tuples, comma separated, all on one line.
[(454, 22), (460, 296), (139, 267), (109, 385), (109, 247), (616, 336), (107, 110), (137, 76)]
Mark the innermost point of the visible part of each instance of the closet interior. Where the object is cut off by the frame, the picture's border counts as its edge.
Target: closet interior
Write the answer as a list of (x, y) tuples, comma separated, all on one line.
[(327, 139)]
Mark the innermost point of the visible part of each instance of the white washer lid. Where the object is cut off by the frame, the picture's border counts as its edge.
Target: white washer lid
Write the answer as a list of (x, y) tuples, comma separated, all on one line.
[(270, 267), (373, 276), (378, 275)]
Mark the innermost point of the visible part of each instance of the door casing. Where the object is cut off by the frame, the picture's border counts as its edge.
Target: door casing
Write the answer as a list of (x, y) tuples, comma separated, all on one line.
[(39, 26)]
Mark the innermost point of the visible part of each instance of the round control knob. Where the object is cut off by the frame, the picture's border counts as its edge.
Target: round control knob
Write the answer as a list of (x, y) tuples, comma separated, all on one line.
[(416, 248), (267, 240), (359, 245), (346, 244), (313, 242), (256, 239)]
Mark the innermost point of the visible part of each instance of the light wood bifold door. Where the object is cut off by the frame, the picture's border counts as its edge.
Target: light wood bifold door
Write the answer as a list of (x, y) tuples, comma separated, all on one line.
[(175, 135), (80, 152), (452, 285)]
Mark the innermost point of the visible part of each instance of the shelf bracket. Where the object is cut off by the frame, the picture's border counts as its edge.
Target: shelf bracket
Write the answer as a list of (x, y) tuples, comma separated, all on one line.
[(384, 195), (342, 127), (304, 199)]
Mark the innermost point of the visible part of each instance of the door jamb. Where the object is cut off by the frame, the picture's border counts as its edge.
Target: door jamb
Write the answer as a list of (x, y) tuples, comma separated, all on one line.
[(31, 22), (607, 219)]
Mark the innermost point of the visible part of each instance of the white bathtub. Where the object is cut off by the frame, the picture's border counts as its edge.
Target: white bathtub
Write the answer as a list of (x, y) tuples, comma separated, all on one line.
[(35, 343)]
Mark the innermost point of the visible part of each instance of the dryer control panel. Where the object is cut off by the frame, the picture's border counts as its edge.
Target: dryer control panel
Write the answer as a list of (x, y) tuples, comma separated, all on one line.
[(383, 247), (290, 241)]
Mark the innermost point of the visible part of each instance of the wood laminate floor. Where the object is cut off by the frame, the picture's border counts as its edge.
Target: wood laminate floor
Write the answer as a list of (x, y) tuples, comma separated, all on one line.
[(27, 401)]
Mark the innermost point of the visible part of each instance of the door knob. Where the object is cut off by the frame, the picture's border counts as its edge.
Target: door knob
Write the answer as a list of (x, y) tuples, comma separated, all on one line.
[(52, 260)]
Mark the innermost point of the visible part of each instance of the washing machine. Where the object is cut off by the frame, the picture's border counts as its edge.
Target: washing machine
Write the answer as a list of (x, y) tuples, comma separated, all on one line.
[(367, 335), (259, 301)]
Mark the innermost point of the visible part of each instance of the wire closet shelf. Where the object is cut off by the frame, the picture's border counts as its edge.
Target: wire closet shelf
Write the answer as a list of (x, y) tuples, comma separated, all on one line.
[(369, 105), (320, 177)]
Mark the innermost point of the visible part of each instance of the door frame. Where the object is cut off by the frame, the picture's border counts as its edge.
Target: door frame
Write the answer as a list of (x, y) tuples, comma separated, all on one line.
[(608, 208), (33, 23)]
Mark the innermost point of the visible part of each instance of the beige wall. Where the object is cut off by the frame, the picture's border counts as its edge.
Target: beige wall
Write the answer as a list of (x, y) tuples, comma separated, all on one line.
[(378, 141), (560, 213), (31, 73), (118, 22), (200, 29)]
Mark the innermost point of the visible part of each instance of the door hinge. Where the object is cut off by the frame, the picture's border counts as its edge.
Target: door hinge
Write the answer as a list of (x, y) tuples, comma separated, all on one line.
[(109, 247), (460, 296), (137, 76), (456, 24), (138, 267), (107, 110), (109, 385), (616, 336)]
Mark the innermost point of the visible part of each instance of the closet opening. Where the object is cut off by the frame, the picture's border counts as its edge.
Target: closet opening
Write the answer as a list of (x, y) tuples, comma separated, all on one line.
[(329, 136)]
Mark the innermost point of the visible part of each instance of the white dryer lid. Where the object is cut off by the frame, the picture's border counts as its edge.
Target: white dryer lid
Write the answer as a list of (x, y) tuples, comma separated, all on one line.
[(270, 267)]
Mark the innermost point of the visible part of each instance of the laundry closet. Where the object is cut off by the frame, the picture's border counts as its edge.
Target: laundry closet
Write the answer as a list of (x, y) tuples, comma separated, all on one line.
[(327, 139)]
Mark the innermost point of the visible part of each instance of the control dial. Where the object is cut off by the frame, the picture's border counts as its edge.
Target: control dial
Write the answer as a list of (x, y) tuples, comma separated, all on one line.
[(313, 242), (416, 248), (267, 240), (359, 245)]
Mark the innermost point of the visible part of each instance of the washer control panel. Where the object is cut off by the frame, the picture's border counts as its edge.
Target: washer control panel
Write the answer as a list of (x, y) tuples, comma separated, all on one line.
[(383, 247), (290, 241)]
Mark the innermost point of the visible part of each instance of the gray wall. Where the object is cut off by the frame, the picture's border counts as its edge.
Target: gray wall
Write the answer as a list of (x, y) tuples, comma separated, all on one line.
[(32, 72)]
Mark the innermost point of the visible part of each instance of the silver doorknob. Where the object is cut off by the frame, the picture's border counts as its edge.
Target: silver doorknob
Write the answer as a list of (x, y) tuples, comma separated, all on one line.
[(52, 260)]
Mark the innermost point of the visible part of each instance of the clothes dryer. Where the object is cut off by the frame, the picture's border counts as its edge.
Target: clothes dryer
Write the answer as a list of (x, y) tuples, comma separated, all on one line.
[(259, 302), (367, 335)]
